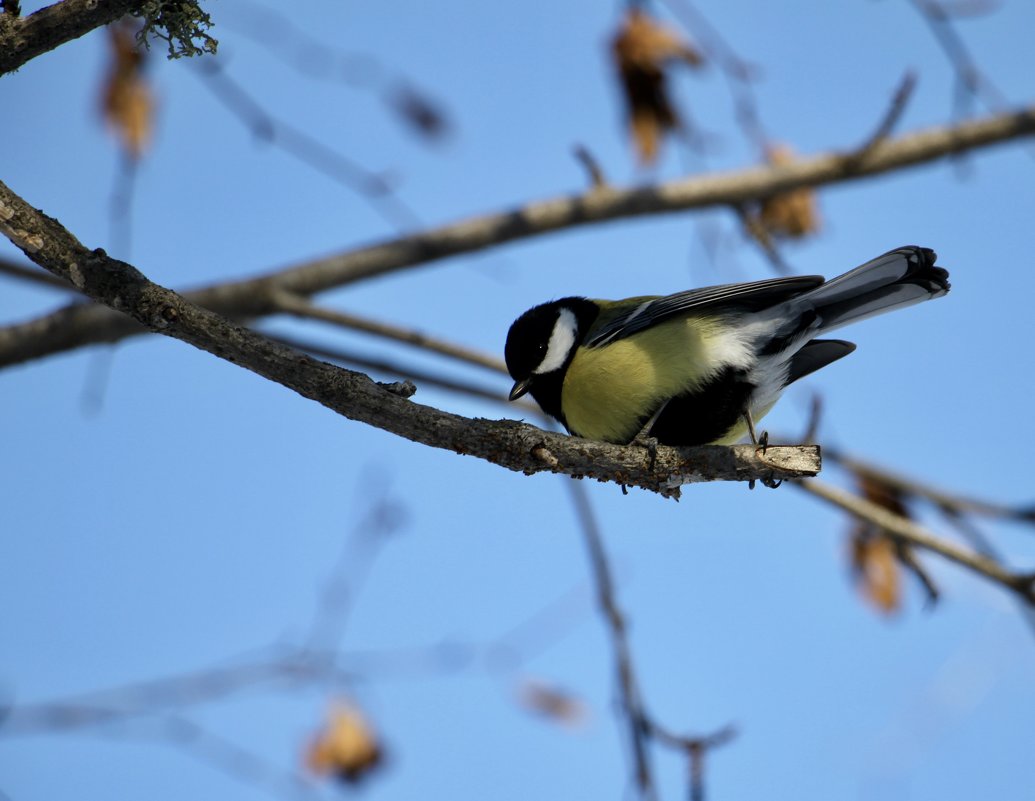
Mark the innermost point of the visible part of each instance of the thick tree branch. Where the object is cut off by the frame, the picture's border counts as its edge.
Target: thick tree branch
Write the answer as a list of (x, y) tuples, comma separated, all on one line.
[(79, 325), (508, 443), (24, 38)]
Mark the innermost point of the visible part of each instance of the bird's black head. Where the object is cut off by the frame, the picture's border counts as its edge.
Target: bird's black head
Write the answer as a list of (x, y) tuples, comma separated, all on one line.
[(540, 346)]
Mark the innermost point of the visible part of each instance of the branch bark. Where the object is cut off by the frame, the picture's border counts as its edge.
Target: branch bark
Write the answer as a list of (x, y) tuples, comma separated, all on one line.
[(24, 38), (508, 443), (77, 325)]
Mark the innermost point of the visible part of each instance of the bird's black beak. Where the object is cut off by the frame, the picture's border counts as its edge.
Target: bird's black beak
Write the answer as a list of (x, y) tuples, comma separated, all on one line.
[(520, 388)]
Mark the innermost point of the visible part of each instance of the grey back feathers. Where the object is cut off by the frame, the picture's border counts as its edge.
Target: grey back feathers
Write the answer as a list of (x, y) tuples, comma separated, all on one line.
[(898, 278), (753, 296)]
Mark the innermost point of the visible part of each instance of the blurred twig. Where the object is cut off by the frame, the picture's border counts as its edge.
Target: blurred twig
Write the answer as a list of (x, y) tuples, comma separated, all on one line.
[(970, 80), (313, 58), (914, 534), (899, 101), (382, 519), (738, 73), (34, 275), (628, 689), (420, 375), (225, 755), (158, 695), (942, 499), (302, 307), (696, 749), (640, 727), (589, 163), (375, 188)]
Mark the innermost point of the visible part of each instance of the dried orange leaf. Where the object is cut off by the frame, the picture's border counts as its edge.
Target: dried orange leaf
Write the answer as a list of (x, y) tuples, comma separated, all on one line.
[(876, 570), (645, 43), (347, 747), (642, 50), (792, 214), (559, 705), (126, 101), (876, 558)]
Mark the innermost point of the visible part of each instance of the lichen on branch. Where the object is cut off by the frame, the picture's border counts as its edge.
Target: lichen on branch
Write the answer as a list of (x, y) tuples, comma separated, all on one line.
[(182, 24)]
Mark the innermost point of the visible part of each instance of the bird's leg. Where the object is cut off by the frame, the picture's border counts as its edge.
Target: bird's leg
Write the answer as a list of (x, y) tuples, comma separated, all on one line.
[(646, 440), (759, 442), (755, 440)]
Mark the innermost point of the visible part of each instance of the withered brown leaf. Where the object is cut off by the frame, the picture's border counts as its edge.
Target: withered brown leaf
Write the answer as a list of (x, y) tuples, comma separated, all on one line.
[(793, 214), (643, 49), (875, 557), (347, 747), (552, 702), (126, 100)]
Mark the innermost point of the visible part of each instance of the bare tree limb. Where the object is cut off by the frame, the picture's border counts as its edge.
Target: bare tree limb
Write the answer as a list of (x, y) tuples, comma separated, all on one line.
[(24, 38), (508, 443), (908, 531), (79, 325), (949, 502)]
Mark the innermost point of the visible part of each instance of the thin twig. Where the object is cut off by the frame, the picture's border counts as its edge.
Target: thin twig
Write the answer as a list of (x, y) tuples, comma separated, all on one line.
[(313, 58), (917, 535), (737, 72), (969, 79), (897, 107), (628, 688), (157, 695), (224, 755), (34, 275), (760, 235), (942, 499), (383, 518), (591, 166), (420, 375), (301, 307), (696, 748), (373, 187), (71, 327)]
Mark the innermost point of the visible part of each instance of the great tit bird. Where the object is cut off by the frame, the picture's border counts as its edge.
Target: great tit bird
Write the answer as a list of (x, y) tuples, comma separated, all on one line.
[(700, 366)]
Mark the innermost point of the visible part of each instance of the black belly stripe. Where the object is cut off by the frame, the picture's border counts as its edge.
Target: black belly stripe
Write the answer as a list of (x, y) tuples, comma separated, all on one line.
[(706, 414)]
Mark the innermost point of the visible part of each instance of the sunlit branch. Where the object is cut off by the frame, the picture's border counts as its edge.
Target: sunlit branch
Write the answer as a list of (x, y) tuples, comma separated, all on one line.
[(73, 327), (507, 443)]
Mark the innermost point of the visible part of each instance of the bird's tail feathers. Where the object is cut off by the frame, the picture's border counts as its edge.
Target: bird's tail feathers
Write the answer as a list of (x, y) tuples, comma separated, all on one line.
[(899, 278)]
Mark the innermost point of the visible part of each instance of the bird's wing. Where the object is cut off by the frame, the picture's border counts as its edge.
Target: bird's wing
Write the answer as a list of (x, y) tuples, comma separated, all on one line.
[(753, 296)]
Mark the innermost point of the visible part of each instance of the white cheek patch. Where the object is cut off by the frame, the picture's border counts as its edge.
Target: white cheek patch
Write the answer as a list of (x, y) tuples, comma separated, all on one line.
[(562, 340)]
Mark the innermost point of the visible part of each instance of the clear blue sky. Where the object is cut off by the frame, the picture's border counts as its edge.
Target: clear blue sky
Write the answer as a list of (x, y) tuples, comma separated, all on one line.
[(191, 516)]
